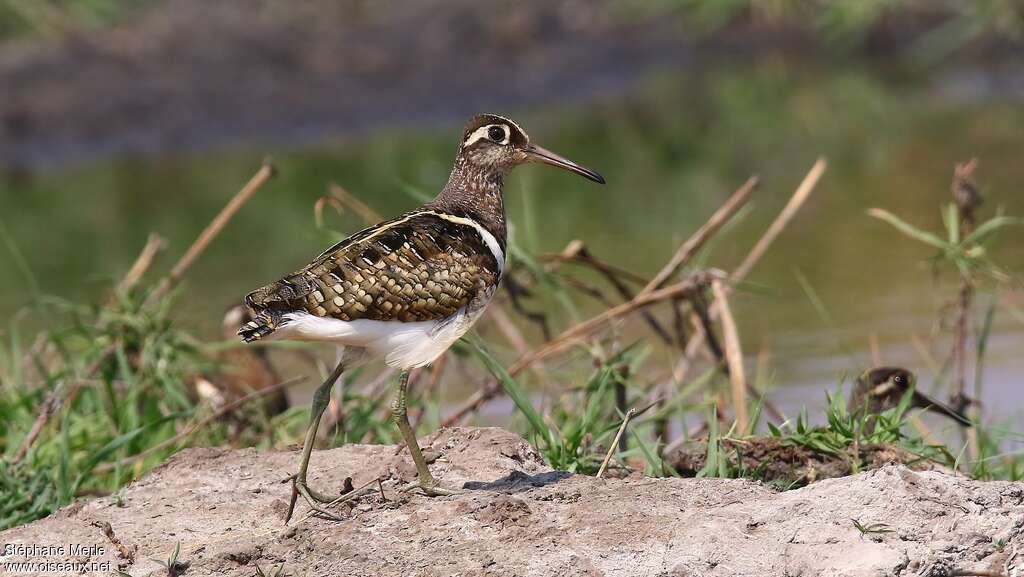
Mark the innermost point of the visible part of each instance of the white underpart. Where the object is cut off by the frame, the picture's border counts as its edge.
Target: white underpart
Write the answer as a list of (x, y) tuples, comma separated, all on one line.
[(404, 345)]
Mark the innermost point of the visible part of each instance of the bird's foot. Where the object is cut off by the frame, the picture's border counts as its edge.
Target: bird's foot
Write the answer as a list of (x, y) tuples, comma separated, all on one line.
[(315, 500), (432, 488)]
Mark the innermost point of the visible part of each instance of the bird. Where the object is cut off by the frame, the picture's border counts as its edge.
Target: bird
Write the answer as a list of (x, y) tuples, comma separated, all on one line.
[(882, 388), (405, 289)]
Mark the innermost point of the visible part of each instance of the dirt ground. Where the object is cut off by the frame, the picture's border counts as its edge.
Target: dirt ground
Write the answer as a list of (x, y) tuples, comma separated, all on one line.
[(518, 517)]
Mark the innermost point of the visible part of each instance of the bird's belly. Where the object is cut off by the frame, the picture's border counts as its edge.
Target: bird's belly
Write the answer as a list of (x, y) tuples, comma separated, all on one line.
[(403, 345)]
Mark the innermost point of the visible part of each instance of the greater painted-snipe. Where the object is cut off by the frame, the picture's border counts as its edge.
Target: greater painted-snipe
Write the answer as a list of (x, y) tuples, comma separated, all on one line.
[(882, 388), (405, 289)]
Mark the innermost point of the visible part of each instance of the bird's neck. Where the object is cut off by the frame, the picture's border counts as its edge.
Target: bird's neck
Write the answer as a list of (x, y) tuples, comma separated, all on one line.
[(475, 192)]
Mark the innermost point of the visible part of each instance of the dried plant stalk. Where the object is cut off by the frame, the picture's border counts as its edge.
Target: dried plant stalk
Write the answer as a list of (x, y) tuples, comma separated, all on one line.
[(733, 356)]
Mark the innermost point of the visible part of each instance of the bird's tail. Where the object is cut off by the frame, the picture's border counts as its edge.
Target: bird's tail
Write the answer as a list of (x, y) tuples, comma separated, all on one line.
[(262, 324)]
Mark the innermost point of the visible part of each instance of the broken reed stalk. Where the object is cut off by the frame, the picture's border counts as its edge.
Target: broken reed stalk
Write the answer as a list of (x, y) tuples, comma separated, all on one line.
[(976, 573), (577, 252), (216, 415), (967, 199), (733, 356), (615, 442), (264, 174), (800, 196)]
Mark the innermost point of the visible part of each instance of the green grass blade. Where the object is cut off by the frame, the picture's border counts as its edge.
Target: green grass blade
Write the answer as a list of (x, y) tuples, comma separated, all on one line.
[(908, 229), (514, 390)]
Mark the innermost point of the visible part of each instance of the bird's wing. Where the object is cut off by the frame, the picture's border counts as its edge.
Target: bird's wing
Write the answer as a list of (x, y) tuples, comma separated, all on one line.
[(423, 265)]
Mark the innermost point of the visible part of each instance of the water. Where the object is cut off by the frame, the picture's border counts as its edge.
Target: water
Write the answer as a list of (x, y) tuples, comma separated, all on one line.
[(672, 148)]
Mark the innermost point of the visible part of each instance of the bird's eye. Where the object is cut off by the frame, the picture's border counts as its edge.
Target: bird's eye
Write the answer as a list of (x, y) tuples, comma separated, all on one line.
[(496, 133), (899, 379)]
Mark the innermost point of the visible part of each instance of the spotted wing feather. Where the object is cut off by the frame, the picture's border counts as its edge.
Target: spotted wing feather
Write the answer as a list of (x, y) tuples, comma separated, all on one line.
[(417, 267)]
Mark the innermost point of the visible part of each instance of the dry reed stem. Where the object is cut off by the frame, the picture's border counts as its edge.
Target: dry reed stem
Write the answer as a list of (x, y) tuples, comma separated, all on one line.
[(876, 350), (154, 244), (803, 191), (733, 356), (264, 174), (216, 415), (690, 247), (353, 203), (976, 573), (583, 329), (615, 442), (578, 252)]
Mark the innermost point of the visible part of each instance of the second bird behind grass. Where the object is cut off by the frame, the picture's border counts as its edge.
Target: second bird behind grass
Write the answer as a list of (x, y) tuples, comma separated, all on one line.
[(405, 289)]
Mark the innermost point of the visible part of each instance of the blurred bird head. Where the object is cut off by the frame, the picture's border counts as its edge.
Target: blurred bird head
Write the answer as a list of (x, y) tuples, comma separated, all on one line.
[(494, 143), (886, 382)]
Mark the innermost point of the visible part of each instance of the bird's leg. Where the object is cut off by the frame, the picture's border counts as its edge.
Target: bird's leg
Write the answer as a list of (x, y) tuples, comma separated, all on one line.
[(321, 398), (398, 412)]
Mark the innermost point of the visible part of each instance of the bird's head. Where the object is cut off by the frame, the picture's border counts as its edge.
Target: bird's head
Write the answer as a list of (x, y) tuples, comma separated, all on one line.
[(495, 143), (885, 381)]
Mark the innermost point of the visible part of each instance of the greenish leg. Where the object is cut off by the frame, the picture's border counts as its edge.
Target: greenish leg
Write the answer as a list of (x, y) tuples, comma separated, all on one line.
[(321, 398), (398, 412)]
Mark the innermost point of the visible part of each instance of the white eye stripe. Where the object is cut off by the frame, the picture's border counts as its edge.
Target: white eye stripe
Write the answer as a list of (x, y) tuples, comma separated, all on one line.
[(482, 132)]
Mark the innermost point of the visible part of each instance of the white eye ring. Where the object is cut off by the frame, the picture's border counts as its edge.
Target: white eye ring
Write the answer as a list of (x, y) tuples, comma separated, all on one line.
[(484, 132)]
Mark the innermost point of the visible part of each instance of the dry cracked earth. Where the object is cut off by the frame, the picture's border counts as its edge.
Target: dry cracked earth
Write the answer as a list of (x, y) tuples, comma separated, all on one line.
[(520, 518)]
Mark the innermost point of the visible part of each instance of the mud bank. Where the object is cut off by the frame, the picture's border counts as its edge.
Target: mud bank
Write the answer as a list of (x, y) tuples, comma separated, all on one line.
[(518, 517)]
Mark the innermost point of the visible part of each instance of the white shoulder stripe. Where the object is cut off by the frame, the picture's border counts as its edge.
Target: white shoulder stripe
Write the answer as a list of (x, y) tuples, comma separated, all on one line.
[(488, 238)]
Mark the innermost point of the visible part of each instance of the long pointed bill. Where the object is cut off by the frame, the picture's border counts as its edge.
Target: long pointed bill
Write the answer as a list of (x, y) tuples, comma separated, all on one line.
[(925, 402), (539, 154)]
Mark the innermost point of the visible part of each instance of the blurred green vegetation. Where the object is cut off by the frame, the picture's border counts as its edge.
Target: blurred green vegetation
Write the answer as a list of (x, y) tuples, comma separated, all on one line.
[(48, 18)]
